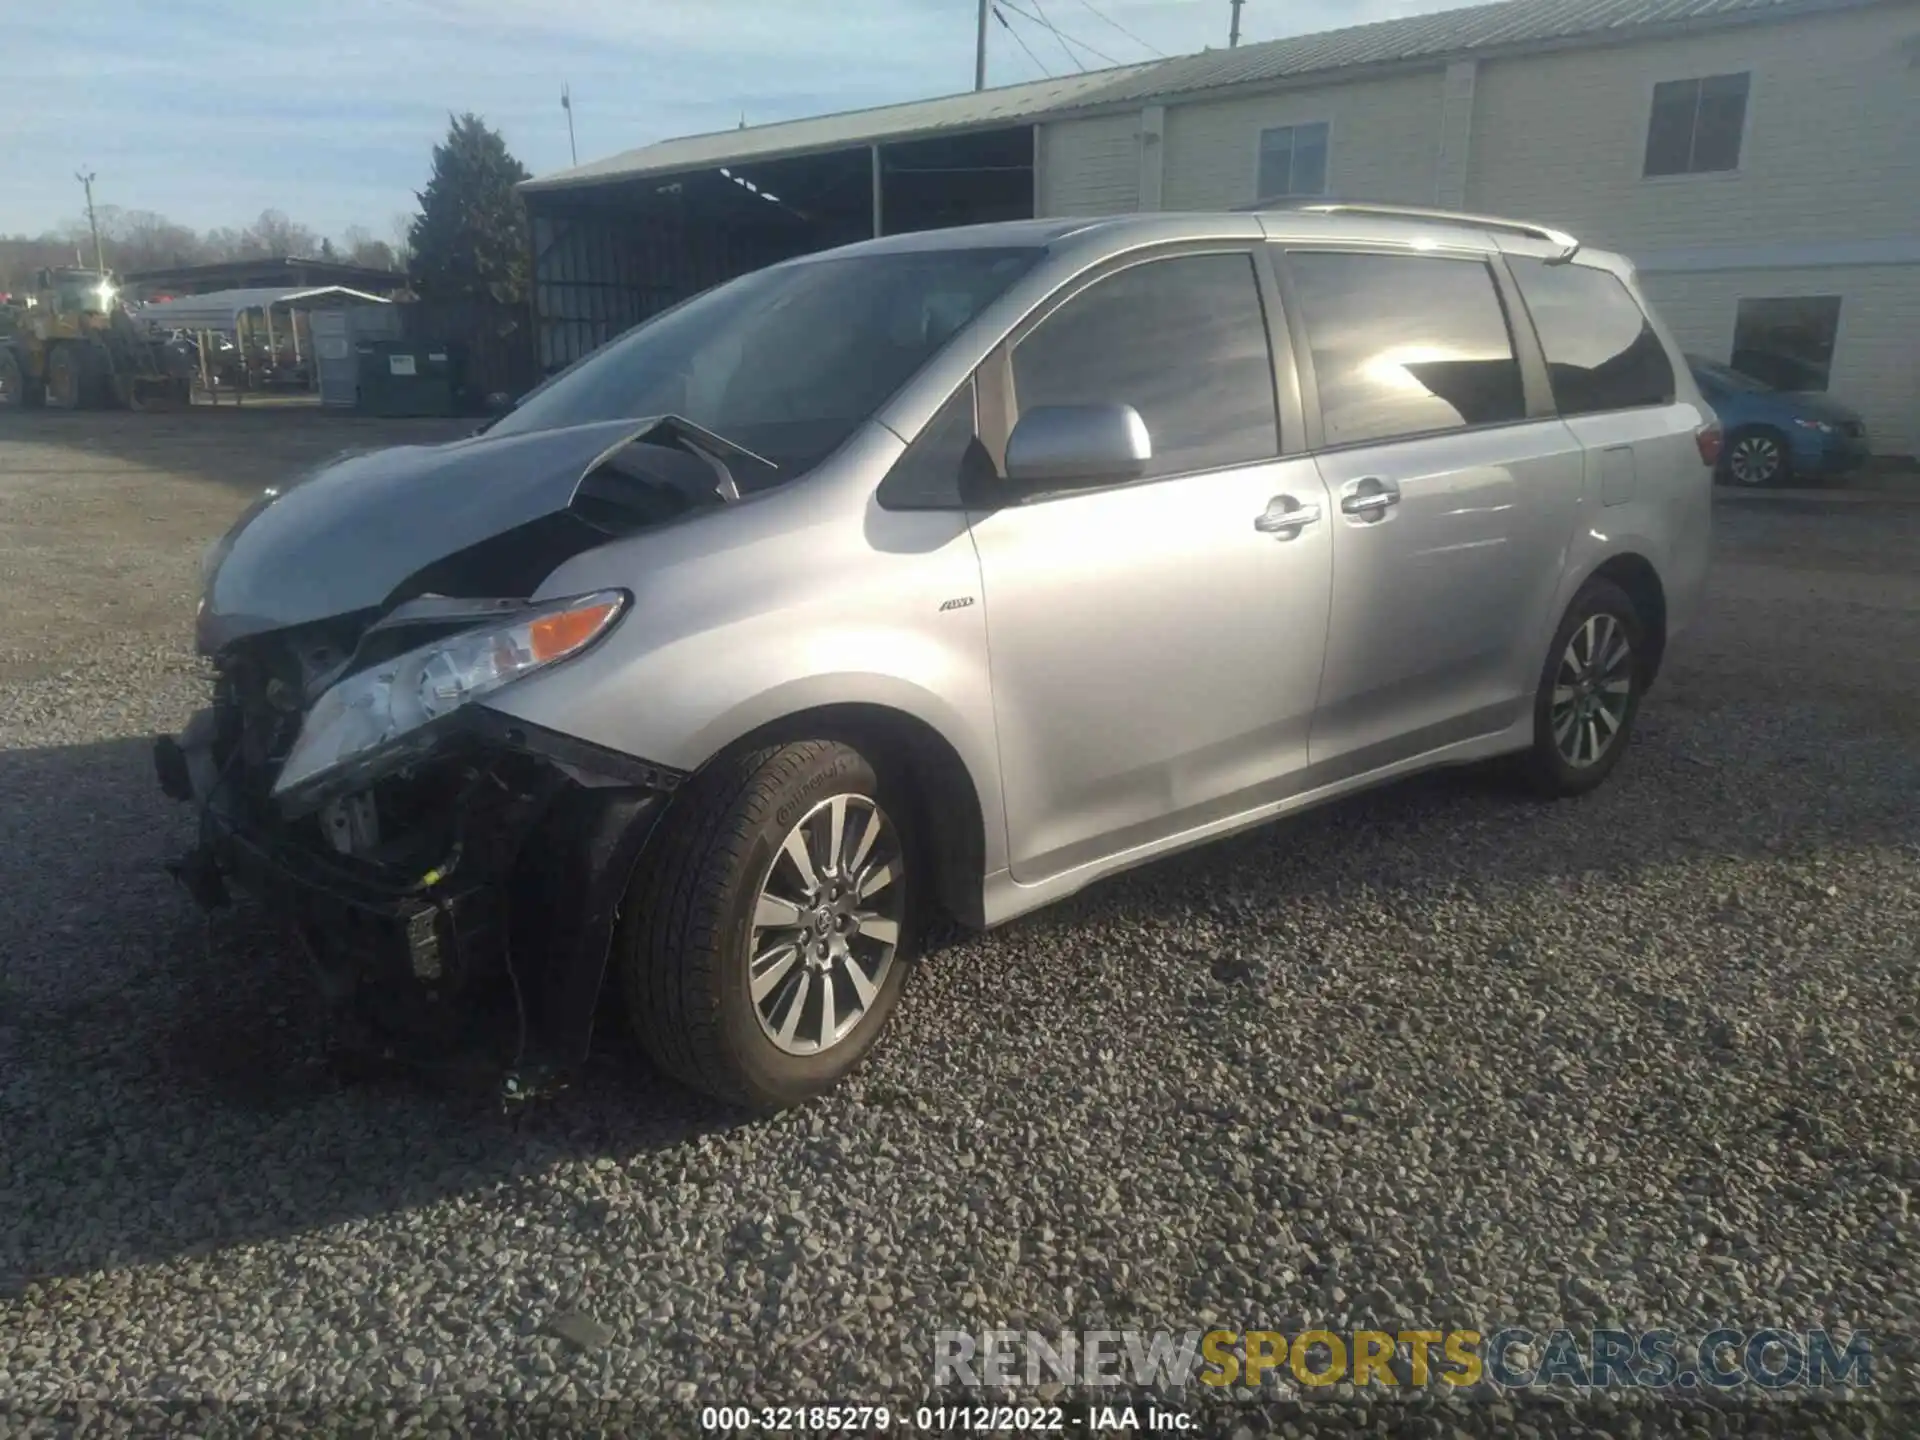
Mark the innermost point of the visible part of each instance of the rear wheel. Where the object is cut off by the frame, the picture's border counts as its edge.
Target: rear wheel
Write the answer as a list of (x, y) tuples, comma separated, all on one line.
[(1589, 693), (766, 939)]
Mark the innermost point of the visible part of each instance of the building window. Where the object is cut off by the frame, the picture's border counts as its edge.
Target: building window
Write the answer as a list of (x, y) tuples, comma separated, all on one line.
[(1406, 346), (1293, 161), (1787, 342), (1696, 125)]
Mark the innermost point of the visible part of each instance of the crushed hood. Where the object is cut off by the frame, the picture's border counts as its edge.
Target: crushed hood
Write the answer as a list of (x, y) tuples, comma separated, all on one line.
[(356, 534)]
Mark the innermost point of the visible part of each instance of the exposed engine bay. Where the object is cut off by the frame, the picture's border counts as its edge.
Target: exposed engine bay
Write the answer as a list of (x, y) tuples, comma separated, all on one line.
[(421, 845)]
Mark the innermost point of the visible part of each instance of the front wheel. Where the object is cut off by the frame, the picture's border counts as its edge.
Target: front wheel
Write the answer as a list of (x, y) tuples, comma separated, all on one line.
[(1757, 457), (65, 390), (1589, 693), (15, 391), (766, 939)]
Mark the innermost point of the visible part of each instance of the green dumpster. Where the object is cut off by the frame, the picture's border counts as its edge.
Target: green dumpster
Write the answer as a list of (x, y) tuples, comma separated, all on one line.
[(399, 379)]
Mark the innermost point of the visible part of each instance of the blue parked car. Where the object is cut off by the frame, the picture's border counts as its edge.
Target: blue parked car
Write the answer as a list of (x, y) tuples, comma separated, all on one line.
[(1772, 435)]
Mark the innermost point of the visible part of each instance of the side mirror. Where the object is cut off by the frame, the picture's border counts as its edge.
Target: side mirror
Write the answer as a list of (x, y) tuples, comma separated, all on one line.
[(1063, 446)]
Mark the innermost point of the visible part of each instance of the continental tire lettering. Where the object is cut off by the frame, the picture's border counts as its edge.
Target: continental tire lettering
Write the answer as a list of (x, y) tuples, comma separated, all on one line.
[(801, 803)]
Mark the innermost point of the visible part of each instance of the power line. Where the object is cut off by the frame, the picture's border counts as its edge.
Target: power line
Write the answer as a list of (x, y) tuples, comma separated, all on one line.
[(1103, 16), (998, 15), (1060, 35), (1072, 59)]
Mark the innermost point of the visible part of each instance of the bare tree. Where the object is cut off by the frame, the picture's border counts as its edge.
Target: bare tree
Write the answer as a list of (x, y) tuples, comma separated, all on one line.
[(402, 244), (224, 243), (145, 240), (359, 247), (274, 235), (135, 240)]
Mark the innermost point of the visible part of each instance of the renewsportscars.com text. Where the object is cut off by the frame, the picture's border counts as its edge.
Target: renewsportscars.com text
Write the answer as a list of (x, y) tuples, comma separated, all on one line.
[(1512, 1358)]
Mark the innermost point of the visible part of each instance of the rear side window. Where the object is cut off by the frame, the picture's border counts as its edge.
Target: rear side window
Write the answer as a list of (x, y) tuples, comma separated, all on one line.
[(1182, 340), (1405, 345), (1602, 354)]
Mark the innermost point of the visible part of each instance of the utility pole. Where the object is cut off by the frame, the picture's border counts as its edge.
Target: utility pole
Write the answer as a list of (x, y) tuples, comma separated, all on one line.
[(93, 223), (1233, 35), (980, 47), (566, 104)]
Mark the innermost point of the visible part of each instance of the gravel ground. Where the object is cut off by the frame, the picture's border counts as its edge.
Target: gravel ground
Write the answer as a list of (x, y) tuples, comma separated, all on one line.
[(1434, 1056)]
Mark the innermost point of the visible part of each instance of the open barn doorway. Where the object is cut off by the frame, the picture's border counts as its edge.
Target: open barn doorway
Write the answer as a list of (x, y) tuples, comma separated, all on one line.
[(609, 255)]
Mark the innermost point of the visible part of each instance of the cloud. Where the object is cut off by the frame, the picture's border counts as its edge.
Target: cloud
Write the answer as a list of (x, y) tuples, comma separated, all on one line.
[(329, 112)]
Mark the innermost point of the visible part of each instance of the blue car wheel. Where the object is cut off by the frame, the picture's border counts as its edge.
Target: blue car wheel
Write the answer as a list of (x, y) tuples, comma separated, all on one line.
[(1756, 457)]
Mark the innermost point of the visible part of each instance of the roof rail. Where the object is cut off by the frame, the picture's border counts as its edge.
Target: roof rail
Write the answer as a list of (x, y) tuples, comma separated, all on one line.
[(1569, 246)]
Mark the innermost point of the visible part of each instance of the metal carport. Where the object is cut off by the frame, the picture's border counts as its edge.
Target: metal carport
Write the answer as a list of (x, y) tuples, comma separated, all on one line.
[(621, 239), (222, 311), (233, 313)]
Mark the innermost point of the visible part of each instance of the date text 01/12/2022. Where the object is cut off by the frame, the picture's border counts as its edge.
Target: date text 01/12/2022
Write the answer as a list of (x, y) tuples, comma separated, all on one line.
[(1045, 1419), (945, 1419)]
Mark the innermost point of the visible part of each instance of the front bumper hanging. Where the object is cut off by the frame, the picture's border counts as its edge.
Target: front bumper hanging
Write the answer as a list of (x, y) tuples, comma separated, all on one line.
[(530, 889)]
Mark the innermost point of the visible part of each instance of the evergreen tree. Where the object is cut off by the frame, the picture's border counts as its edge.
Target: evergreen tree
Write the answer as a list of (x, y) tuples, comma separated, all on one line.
[(469, 239)]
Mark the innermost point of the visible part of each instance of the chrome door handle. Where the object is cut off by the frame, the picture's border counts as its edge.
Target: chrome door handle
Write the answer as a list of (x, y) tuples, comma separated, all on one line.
[(1285, 517), (1370, 503)]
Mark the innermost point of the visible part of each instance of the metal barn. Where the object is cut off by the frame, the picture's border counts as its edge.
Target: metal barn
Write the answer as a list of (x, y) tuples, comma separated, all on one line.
[(622, 239)]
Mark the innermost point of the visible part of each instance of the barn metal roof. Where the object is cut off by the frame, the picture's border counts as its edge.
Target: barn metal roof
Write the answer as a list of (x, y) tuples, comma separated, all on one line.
[(1507, 25), (975, 110), (1516, 24), (218, 309)]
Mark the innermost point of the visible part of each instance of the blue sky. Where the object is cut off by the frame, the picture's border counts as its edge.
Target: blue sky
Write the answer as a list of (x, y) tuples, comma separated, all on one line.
[(209, 111)]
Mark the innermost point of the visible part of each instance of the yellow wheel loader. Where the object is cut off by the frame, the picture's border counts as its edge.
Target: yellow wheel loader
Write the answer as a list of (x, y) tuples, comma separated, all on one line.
[(68, 343)]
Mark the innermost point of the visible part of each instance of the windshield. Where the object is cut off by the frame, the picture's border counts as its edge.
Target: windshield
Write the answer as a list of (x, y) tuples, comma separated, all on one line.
[(82, 291), (1726, 378), (784, 362)]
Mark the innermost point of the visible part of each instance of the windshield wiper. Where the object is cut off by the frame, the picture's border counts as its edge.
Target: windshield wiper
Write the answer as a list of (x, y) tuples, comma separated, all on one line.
[(720, 453)]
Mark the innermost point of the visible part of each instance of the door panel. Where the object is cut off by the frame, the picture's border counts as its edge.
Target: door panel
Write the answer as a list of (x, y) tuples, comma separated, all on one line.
[(1155, 645), (1156, 652), (1436, 601), (1453, 509)]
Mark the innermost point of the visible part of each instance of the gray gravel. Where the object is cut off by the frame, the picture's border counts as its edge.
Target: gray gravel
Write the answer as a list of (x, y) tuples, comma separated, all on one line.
[(1437, 1055)]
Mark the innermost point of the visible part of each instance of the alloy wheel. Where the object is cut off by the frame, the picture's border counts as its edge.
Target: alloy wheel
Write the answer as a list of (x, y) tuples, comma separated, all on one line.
[(826, 924), (1755, 459), (1591, 690)]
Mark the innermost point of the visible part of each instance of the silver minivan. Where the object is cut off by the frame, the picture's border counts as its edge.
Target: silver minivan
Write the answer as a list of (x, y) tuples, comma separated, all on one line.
[(938, 575)]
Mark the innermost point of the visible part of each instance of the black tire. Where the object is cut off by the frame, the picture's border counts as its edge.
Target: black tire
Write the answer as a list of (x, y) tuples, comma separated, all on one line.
[(13, 381), (1547, 769), (683, 948), (100, 387), (1756, 457), (66, 378)]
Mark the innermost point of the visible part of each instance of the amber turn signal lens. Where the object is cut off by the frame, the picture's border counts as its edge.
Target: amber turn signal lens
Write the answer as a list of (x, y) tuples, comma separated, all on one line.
[(553, 636)]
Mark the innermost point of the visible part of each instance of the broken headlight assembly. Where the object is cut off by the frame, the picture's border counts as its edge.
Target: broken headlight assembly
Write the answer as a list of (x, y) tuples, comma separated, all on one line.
[(382, 716)]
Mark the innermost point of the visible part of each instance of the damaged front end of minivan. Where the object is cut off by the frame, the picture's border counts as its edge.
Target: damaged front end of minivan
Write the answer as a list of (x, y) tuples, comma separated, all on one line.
[(349, 772)]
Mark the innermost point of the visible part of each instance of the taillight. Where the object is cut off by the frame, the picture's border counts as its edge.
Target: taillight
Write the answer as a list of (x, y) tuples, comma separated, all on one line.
[(1709, 438)]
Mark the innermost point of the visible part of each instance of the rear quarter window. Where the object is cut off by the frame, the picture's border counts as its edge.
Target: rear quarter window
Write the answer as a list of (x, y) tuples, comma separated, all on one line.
[(1601, 350)]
